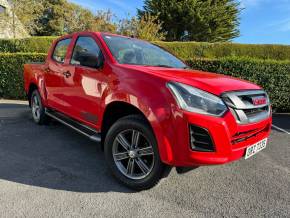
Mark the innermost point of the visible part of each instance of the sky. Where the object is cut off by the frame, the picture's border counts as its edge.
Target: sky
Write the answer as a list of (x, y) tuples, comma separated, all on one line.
[(262, 21)]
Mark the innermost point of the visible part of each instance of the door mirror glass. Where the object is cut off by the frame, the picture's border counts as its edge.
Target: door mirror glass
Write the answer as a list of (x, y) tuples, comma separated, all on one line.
[(86, 59), (87, 53)]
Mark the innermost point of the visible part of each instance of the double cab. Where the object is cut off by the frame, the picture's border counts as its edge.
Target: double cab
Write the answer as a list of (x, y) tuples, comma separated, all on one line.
[(147, 109)]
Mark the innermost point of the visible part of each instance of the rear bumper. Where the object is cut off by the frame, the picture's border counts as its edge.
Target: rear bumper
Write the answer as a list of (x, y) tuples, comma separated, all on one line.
[(230, 139)]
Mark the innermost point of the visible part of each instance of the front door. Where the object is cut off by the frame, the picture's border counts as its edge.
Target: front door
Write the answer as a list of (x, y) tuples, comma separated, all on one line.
[(84, 88)]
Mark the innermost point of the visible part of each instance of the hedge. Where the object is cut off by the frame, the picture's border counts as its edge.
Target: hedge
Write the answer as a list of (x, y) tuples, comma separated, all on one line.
[(273, 76), (188, 50), (39, 44), (11, 73), (184, 50)]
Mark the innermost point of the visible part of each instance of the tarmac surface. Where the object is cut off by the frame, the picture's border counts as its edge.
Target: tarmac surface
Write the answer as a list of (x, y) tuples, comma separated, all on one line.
[(53, 171)]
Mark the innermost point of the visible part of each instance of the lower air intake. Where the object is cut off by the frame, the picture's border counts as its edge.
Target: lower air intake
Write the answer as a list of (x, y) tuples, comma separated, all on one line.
[(200, 139)]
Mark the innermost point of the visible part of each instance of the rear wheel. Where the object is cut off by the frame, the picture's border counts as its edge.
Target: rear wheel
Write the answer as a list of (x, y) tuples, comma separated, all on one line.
[(37, 108), (132, 154)]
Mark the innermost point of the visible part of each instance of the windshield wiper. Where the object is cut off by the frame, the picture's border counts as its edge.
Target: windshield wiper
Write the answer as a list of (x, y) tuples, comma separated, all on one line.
[(167, 66), (162, 65)]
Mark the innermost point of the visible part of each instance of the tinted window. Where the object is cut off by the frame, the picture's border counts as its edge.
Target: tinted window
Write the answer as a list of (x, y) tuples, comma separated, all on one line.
[(86, 52), (60, 50), (138, 52)]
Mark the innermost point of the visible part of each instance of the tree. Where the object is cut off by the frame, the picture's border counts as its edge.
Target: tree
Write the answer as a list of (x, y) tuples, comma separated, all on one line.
[(127, 26), (146, 27), (150, 28), (104, 22), (28, 12), (54, 19), (78, 19), (198, 20), (59, 17)]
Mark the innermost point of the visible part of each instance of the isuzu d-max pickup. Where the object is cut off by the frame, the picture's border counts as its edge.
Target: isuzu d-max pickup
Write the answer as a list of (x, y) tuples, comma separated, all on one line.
[(145, 107)]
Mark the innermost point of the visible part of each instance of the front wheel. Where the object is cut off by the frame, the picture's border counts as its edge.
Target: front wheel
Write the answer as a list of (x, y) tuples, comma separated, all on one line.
[(132, 154)]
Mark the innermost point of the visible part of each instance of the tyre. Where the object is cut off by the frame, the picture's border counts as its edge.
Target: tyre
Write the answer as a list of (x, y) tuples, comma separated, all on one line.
[(131, 153), (37, 108)]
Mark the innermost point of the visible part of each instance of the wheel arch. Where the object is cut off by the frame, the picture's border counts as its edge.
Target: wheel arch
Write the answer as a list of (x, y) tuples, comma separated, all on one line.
[(118, 109), (32, 87)]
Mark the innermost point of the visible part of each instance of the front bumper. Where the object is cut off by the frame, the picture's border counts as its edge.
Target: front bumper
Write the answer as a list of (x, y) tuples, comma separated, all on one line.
[(230, 138)]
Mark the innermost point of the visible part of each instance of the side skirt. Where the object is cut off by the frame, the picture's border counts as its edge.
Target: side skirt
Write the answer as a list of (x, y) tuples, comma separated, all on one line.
[(74, 124)]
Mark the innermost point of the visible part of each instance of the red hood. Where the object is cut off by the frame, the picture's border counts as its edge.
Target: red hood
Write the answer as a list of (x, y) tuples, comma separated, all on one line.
[(210, 82)]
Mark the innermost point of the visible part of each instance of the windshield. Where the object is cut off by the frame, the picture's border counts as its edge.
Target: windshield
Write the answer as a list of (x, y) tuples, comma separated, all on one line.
[(137, 52)]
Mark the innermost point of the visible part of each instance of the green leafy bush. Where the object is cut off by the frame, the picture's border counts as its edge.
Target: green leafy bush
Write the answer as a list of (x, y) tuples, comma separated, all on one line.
[(39, 44), (188, 50), (273, 76), (11, 73), (184, 50)]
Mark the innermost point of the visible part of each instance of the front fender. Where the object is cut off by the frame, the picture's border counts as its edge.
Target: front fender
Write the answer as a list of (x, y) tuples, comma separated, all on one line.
[(151, 98)]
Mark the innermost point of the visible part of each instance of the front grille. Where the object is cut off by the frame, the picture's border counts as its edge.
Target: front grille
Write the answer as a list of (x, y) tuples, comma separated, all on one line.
[(241, 104), (243, 136), (255, 111), (200, 139)]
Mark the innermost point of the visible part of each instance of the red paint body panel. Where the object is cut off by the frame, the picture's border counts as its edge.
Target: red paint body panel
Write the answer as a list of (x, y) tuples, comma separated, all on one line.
[(92, 90)]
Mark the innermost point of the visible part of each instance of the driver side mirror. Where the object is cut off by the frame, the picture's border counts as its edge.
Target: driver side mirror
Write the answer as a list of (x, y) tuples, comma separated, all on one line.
[(89, 60)]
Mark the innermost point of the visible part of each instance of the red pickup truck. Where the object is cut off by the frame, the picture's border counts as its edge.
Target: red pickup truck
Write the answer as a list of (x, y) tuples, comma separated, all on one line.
[(147, 109)]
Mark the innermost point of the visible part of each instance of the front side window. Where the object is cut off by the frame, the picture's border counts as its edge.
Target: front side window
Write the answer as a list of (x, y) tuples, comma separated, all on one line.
[(60, 50), (137, 52), (86, 53)]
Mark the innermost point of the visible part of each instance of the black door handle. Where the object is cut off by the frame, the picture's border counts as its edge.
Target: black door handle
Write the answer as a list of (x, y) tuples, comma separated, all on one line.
[(67, 74)]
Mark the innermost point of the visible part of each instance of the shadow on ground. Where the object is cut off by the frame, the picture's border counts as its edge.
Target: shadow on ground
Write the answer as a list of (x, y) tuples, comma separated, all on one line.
[(57, 158), (51, 156)]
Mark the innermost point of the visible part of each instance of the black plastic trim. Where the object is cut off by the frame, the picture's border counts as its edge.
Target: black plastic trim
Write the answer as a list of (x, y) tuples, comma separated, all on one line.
[(205, 133), (75, 125)]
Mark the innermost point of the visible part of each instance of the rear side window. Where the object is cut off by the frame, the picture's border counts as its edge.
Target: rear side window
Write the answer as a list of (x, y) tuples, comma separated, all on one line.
[(60, 50)]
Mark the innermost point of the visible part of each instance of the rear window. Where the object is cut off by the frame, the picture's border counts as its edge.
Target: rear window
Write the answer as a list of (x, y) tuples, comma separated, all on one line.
[(60, 50)]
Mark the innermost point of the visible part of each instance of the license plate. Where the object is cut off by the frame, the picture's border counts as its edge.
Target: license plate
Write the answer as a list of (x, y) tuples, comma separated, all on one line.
[(255, 148)]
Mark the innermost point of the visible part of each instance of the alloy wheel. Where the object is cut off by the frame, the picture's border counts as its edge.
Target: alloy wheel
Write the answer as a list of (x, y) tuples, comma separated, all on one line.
[(133, 154)]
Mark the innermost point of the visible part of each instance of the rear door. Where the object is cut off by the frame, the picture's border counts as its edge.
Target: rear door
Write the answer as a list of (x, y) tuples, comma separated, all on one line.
[(55, 73), (84, 88)]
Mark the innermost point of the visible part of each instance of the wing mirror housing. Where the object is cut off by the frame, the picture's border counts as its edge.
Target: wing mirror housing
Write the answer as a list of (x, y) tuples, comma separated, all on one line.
[(89, 59)]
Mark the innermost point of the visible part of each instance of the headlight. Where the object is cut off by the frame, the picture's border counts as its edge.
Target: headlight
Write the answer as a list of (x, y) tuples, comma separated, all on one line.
[(195, 100)]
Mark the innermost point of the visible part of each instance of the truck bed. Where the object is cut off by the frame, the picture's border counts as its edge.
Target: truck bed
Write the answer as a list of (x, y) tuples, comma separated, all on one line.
[(32, 72)]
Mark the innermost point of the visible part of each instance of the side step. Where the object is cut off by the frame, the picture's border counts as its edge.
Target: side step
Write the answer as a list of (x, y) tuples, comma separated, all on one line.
[(76, 125)]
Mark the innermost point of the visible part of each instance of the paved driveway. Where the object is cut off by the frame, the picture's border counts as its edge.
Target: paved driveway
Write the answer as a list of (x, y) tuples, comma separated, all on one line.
[(53, 171)]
